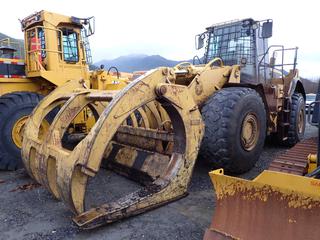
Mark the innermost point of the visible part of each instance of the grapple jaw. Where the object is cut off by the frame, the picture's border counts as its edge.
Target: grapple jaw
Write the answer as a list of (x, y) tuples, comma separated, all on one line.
[(272, 206), (150, 131)]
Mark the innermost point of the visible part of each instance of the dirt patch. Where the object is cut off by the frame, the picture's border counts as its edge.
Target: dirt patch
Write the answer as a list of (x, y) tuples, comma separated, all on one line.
[(31, 212)]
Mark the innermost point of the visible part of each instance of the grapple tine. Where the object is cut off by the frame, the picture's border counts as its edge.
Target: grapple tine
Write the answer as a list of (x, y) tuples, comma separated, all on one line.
[(273, 206), (66, 173), (48, 156), (152, 126), (87, 156), (56, 98)]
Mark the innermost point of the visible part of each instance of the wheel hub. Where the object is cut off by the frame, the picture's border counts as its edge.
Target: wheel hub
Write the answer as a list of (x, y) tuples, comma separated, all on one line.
[(250, 132), (17, 130)]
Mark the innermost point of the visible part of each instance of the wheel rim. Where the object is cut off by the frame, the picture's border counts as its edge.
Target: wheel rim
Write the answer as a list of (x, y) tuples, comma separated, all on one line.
[(250, 132), (301, 121), (17, 130)]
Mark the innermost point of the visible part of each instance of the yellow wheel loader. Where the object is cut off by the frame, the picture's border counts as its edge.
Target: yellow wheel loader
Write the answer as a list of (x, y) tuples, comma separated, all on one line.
[(56, 51), (268, 101), (282, 202), (153, 129)]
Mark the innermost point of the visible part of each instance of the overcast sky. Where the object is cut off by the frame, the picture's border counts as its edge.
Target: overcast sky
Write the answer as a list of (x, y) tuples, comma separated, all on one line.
[(168, 27)]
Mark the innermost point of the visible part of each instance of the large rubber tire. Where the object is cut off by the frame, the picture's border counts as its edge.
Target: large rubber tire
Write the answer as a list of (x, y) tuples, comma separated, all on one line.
[(224, 114), (13, 107), (297, 120)]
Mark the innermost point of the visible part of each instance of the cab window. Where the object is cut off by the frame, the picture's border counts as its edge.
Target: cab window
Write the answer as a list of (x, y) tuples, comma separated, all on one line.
[(70, 46)]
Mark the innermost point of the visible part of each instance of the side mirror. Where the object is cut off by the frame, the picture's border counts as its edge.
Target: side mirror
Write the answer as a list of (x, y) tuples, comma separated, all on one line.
[(88, 25), (200, 41), (243, 61), (266, 29)]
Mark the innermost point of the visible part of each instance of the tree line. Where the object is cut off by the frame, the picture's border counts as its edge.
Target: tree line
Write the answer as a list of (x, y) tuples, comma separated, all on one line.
[(310, 86)]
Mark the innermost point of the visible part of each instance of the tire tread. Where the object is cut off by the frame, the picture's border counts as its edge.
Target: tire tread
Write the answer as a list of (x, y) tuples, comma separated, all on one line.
[(8, 103), (218, 115)]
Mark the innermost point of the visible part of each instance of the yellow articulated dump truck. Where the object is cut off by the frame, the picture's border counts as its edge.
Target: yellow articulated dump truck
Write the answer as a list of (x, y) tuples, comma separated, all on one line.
[(56, 50), (153, 130)]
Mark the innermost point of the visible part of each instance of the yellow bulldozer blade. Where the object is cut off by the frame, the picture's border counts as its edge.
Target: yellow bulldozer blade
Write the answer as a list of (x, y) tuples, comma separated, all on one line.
[(150, 131), (272, 206)]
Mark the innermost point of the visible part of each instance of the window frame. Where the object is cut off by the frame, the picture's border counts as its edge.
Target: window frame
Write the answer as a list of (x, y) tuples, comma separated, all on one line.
[(69, 54)]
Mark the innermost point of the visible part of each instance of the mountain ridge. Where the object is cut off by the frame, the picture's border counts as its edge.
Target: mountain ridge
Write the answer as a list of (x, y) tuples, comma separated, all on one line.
[(142, 62), (15, 43), (137, 62)]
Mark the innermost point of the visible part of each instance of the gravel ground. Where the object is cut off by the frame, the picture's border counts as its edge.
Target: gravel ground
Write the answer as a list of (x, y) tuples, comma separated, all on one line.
[(35, 214)]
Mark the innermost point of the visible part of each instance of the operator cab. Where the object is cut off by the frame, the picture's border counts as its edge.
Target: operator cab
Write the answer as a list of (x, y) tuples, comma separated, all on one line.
[(245, 43), (57, 46)]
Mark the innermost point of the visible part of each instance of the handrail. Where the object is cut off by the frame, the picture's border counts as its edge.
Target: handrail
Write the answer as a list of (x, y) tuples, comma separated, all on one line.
[(40, 49), (264, 64)]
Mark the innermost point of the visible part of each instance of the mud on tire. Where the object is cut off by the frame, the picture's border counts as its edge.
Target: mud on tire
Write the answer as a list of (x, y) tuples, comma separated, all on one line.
[(13, 106), (297, 120), (225, 115)]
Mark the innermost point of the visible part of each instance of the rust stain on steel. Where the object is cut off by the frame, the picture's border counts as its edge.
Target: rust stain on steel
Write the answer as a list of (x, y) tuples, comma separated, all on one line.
[(176, 90), (70, 114), (138, 87), (148, 133), (25, 187), (295, 160), (2, 181), (142, 138), (199, 89), (243, 216), (211, 234), (263, 193)]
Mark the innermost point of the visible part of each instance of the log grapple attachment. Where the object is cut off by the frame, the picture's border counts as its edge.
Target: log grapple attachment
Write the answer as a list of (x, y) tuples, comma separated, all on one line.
[(150, 132)]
